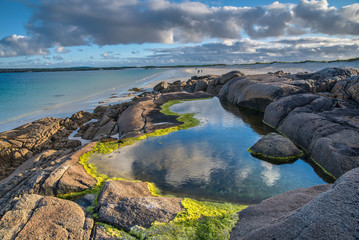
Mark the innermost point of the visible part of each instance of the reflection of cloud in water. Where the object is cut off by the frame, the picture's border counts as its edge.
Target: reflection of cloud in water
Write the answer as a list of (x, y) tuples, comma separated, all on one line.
[(181, 163), (270, 174), (197, 166), (118, 163), (243, 173), (212, 113)]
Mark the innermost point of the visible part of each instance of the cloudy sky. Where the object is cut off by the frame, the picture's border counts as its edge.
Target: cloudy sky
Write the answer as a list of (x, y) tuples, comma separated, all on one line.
[(63, 33)]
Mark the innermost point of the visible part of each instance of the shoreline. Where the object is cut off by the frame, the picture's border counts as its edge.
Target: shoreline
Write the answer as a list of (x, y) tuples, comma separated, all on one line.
[(115, 95), (118, 95), (51, 164)]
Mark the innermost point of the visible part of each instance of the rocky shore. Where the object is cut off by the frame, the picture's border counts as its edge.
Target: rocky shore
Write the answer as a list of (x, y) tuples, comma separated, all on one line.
[(318, 112)]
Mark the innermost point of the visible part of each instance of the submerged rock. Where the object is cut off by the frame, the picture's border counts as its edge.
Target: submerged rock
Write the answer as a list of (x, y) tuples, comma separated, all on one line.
[(305, 213), (276, 148)]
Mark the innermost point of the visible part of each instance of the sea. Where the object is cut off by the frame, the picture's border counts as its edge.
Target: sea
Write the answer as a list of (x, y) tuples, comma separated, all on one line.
[(28, 96)]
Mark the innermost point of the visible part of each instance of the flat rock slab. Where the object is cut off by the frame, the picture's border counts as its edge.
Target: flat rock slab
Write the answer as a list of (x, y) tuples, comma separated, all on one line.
[(21, 143), (333, 214), (142, 212), (126, 204), (37, 217), (50, 173), (115, 191), (275, 148)]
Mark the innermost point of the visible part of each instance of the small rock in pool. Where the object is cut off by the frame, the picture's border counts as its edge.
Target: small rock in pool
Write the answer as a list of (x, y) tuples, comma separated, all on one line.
[(275, 148)]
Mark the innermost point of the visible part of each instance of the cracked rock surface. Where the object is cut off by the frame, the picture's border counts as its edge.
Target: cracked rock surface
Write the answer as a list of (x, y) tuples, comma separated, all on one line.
[(37, 217)]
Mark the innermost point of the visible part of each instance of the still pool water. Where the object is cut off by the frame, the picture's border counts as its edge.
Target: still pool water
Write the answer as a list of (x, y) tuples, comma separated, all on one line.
[(209, 161)]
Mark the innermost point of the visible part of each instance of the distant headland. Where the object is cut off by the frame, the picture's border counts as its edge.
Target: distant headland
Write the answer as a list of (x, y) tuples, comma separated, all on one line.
[(87, 68)]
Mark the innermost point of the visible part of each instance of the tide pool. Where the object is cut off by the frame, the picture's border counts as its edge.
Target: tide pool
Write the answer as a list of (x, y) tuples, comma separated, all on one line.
[(210, 161)]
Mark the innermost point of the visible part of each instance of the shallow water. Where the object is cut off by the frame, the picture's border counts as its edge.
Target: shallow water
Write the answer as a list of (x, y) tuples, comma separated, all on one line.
[(209, 161), (28, 96)]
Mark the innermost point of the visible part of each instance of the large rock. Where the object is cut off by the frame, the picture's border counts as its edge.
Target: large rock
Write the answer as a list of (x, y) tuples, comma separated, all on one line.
[(347, 89), (49, 173), (161, 86), (333, 214), (258, 91), (270, 210), (144, 116), (127, 204), (115, 191), (106, 126), (37, 217), (331, 73), (132, 121), (228, 76), (81, 117), (327, 128), (19, 144), (276, 148)]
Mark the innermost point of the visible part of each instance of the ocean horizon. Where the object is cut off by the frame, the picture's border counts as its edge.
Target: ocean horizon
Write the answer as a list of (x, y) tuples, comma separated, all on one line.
[(29, 96)]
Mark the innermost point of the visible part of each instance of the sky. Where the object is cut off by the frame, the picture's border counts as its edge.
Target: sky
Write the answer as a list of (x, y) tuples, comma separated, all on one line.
[(74, 33)]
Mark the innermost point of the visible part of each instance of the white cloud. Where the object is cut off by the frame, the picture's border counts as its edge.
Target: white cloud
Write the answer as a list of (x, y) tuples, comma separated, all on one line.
[(17, 45), (320, 18), (109, 55), (60, 49), (64, 23), (246, 50)]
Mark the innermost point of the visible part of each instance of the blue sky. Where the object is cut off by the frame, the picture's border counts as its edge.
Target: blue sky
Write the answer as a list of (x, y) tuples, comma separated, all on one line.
[(68, 33)]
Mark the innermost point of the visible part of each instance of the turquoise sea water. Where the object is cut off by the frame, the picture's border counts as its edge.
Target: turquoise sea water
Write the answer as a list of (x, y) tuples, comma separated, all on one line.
[(209, 161), (25, 97)]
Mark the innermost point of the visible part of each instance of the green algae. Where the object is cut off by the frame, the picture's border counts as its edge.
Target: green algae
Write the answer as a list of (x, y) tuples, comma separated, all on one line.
[(115, 232), (323, 170), (200, 220), (154, 190), (275, 159)]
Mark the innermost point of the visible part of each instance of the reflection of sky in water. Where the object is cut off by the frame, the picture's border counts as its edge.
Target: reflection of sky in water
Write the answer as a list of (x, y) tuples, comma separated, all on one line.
[(209, 161)]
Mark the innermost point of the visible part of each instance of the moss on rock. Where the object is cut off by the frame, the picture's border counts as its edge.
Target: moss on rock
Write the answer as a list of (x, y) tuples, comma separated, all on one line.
[(274, 160), (200, 220)]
